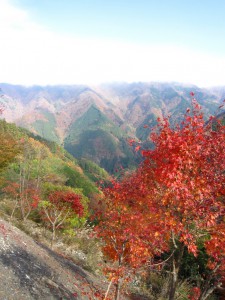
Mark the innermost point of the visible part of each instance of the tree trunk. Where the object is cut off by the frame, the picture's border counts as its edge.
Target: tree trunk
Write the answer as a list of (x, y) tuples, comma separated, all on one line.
[(53, 235), (118, 284), (107, 292), (207, 293), (173, 284), (117, 292), (176, 267), (208, 288), (14, 208)]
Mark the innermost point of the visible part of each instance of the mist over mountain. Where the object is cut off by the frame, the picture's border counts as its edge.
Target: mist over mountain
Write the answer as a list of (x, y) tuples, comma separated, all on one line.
[(95, 122)]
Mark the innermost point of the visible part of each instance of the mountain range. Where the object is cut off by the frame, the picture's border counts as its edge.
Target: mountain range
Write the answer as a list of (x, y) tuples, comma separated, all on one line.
[(96, 122)]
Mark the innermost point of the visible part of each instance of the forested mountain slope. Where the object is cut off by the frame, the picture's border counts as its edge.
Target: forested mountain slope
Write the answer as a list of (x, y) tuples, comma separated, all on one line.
[(95, 122)]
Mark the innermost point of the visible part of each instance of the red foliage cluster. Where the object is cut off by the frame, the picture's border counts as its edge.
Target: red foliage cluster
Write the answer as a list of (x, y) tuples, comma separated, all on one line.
[(62, 199), (188, 164), (27, 198), (175, 196), (195, 293)]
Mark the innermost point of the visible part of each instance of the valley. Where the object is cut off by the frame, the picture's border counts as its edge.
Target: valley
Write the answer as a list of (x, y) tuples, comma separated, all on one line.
[(95, 122)]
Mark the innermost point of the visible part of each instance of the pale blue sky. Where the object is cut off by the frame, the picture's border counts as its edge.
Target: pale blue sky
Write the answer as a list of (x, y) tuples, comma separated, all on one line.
[(199, 24), (168, 40)]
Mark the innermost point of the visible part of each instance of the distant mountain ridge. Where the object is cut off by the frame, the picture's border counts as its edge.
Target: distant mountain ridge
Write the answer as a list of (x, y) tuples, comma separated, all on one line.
[(95, 122)]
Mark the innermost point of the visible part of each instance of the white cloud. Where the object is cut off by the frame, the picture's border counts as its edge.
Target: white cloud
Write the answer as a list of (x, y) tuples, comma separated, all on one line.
[(11, 16), (30, 54)]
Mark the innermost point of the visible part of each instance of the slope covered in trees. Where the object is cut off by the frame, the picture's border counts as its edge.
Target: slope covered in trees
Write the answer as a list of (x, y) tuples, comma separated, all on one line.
[(34, 170), (87, 119), (45, 157)]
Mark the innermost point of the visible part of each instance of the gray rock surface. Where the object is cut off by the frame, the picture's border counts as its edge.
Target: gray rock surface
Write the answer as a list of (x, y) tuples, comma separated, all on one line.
[(30, 270)]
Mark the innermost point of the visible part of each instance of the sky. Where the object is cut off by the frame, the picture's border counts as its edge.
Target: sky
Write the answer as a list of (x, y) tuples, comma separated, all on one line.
[(92, 41)]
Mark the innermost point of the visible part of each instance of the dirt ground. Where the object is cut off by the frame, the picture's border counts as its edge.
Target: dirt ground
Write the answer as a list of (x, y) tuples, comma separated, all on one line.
[(31, 270)]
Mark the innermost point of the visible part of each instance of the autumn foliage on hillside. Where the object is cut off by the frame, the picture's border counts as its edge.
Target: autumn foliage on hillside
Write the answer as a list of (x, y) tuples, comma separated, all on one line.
[(8, 146), (173, 203), (59, 207)]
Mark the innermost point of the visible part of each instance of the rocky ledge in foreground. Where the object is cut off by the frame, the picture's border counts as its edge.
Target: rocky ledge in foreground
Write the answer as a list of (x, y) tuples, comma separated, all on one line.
[(30, 270)]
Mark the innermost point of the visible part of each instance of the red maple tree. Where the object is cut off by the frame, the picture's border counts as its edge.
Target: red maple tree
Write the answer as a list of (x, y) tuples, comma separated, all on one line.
[(59, 207), (176, 198), (131, 228), (187, 165)]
